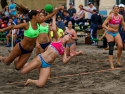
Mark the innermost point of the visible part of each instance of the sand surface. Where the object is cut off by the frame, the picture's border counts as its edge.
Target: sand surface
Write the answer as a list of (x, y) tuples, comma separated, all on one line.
[(87, 74)]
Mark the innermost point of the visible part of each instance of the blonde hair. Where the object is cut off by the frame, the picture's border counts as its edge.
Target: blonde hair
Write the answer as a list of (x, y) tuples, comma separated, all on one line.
[(81, 5)]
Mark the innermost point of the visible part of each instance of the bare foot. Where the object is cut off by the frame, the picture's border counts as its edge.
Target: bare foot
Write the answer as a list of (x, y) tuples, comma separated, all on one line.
[(81, 52), (112, 67), (78, 53), (118, 62), (27, 82)]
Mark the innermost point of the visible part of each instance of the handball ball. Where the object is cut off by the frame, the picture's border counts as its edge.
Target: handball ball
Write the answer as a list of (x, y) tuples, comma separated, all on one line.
[(48, 8)]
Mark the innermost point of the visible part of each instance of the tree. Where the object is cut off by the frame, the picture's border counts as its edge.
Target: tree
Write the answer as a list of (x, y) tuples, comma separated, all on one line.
[(3, 3)]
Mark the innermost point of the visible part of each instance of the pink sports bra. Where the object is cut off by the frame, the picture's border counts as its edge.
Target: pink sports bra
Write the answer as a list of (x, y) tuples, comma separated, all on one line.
[(115, 21), (58, 47), (70, 32)]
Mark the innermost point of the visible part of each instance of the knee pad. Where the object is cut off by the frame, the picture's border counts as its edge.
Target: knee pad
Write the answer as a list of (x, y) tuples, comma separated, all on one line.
[(111, 48)]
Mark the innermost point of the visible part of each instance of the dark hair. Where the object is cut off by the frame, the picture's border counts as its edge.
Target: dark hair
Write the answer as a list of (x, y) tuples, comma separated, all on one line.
[(65, 11), (42, 10), (6, 9), (94, 10), (23, 10)]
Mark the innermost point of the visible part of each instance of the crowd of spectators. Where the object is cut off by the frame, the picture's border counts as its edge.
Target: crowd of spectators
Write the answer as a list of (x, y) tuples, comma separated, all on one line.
[(9, 16)]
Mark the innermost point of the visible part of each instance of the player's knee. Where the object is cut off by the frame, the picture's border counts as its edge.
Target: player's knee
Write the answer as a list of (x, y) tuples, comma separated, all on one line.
[(40, 85), (111, 48), (120, 47), (23, 72)]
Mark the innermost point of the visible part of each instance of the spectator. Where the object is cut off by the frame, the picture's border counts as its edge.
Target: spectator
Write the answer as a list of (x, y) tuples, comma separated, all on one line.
[(44, 12), (71, 45), (66, 17), (6, 11), (20, 32), (90, 10), (0, 24), (95, 22), (1, 15), (12, 8), (78, 17), (14, 19), (71, 10), (5, 19), (60, 13), (60, 23), (121, 31), (8, 24), (60, 33), (9, 35)]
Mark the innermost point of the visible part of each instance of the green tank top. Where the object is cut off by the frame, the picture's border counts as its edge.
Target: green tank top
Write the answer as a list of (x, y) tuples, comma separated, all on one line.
[(30, 32), (44, 29)]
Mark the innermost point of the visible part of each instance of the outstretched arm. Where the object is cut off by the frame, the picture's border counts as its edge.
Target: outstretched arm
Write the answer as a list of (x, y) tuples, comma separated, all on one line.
[(51, 14), (23, 25), (65, 58), (54, 28), (88, 10)]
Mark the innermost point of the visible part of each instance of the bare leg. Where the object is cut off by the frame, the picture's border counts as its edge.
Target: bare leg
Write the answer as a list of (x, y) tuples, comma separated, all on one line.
[(124, 45), (110, 38), (111, 61), (7, 38), (44, 74), (35, 63), (14, 39), (39, 50), (20, 61), (120, 46), (14, 53), (49, 75), (39, 71), (67, 50), (73, 48)]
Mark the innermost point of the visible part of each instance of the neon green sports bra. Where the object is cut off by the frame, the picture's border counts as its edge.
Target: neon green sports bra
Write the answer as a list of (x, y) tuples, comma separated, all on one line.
[(44, 29), (31, 33)]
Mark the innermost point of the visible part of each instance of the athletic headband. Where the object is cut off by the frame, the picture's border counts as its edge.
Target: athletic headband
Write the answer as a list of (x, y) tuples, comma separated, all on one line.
[(38, 10)]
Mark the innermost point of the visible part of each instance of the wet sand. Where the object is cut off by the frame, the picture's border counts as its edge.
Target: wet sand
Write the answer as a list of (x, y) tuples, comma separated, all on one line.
[(87, 74)]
